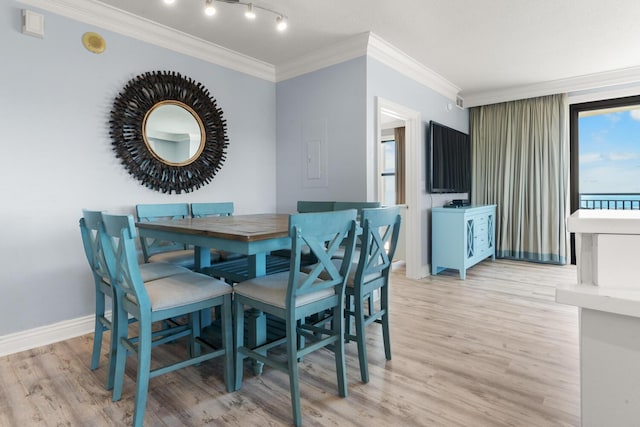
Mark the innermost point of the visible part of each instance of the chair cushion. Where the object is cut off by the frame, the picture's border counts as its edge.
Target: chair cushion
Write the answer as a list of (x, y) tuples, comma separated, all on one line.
[(158, 270), (272, 290), (182, 289), (184, 258), (352, 272)]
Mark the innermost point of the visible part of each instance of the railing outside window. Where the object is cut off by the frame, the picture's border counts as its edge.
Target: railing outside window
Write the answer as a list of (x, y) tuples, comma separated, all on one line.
[(610, 201)]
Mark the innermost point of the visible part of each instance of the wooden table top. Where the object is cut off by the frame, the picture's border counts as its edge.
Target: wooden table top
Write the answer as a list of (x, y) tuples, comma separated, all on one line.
[(245, 228)]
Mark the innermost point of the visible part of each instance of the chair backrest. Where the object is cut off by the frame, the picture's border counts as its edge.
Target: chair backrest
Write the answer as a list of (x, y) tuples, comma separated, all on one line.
[(199, 210), (306, 206), (90, 227), (154, 212), (118, 241), (380, 230), (359, 206), (322, 233)]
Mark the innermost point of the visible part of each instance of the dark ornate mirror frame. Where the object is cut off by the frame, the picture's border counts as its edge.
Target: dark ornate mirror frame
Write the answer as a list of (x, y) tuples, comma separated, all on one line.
[(131, 106)]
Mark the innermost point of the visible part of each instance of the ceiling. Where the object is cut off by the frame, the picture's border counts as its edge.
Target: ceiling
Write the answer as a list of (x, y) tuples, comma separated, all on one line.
[(478, 46)]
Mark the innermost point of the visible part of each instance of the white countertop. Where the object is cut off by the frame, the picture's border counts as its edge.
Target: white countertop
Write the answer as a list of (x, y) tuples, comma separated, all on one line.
[(624, 301), (604, 221), (606, 243)]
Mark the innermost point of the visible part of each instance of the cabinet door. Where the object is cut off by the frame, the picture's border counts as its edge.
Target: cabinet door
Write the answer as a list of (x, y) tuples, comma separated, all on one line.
[(480, 236)]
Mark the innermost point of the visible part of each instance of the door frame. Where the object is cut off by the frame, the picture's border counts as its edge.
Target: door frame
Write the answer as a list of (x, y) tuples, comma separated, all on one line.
[(413, 163)]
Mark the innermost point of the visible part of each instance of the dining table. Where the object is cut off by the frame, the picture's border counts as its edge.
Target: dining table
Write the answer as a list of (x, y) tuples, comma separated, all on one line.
[(254, 235)]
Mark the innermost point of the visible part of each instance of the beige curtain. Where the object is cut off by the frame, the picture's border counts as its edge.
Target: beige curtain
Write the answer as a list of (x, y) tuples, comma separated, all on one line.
[(520, 162), (400, 165)]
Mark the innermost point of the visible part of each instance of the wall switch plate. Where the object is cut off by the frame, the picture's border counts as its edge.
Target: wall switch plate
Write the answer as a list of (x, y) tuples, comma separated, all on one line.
[(32, 24)]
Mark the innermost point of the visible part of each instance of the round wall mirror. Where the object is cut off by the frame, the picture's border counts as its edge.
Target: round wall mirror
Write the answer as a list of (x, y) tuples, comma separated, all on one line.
[(174, 133), (168, 132)]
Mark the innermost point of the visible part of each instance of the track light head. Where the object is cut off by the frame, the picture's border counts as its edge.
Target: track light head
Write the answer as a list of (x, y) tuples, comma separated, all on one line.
[(209, 9), (250, 13), (281, 23)]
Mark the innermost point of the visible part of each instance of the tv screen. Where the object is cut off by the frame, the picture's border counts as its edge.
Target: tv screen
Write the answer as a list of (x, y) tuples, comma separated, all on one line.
[(448, 160)]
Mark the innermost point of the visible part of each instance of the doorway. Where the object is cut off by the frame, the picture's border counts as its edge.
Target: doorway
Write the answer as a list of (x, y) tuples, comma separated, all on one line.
[(411, 245)]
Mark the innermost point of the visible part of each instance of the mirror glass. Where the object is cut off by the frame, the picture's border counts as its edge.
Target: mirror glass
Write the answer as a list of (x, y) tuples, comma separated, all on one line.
[(174, 133)]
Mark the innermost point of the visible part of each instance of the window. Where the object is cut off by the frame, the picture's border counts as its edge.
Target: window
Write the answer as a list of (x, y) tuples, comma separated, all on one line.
[(605, 155), (388, 172)]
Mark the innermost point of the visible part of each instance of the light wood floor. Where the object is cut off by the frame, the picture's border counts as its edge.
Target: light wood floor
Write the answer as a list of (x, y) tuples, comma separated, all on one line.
[(494, 350)]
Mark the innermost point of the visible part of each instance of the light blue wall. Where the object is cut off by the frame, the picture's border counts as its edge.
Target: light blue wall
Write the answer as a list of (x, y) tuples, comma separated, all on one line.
[(343, 97), (385, 82), (334, 98), (54, 105), (55, 99)]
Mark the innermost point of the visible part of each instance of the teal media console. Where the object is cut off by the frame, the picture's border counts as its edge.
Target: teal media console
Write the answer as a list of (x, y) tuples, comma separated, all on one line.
[(462, 237)]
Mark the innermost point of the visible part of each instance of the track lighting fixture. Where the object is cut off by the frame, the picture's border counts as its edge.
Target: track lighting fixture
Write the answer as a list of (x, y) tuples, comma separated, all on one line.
[(251, 12)]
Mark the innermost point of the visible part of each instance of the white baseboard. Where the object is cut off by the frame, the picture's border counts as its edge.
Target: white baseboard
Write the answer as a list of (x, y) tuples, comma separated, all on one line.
[(32, 338)]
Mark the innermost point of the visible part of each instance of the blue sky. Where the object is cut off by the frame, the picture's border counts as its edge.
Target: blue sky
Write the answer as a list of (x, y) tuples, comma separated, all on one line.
[(610, 152)]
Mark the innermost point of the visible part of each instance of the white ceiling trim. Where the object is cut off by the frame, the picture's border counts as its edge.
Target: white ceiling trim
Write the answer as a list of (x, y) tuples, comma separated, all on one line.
[(389, 55), (350, 48), (109, 18), (573, 84), (118, 21), (375, 47)]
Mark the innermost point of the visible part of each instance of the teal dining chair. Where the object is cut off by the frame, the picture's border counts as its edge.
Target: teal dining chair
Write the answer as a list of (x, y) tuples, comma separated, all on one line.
[(359, 206), (201, 210), (294, 295), (184, 294), (90, 223), (338, 206), (158, 250), (307, 206), (370, 273)]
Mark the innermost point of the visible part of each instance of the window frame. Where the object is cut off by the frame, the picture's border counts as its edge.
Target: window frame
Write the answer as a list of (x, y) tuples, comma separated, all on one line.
[(574, 149)]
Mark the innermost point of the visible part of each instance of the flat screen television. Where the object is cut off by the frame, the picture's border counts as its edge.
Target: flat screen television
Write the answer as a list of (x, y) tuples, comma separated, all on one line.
[(448, 160)]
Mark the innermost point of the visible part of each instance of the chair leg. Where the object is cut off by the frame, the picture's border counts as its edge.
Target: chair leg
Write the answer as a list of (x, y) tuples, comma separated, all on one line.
[(256, 334), (361, 339), (194, 345), (341, 369), (144, 367), (292, 361), (300, 341), (347, 317), (226, 322), (97, 331), (239, 342), (118, 358), (384, 306)]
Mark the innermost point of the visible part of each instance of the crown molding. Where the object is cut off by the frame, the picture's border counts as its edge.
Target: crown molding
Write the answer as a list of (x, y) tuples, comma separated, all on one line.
[(121, 22), (391, 56), (95, 13), (573, 84), (375, 47), (348, 49)]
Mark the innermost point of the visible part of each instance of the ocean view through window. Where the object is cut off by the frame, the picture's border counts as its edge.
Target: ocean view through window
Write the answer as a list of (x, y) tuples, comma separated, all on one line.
[(609, 156)]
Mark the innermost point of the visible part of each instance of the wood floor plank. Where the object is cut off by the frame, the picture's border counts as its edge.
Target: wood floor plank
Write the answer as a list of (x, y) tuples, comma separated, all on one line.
[(491, 350)]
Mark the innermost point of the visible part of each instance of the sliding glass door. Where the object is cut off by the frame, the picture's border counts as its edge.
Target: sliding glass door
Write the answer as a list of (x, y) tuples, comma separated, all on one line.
[(605, 155)]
